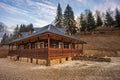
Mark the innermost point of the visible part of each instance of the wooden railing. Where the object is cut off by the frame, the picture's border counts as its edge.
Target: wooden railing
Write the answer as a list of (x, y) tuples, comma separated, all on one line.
[(34, 53), (55, 52), (43, 52)]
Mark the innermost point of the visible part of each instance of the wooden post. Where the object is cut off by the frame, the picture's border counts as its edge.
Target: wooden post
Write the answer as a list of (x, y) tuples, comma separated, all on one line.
[(12, 47), (38, 45), (71, 47), (82, 48), (62, 46), (77, 49), (48, 60), (9, 47)]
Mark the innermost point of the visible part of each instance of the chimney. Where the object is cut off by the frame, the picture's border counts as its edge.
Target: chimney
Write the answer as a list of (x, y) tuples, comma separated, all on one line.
[(19, 35), (68, 32), (30, 31)]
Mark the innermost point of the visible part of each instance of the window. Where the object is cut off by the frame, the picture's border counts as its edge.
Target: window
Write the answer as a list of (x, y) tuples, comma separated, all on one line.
[(32, 45), (60, 44), (54, 44), (41, 44), (66, 45), (45, 44), (73, 45)]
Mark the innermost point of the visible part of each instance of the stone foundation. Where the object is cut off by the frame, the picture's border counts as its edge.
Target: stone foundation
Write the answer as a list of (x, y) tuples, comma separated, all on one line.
[(34, 61), (69, 58), (54, 61), (62, 60), (14, 58), (29, 60), (23, 59), (42, 61)]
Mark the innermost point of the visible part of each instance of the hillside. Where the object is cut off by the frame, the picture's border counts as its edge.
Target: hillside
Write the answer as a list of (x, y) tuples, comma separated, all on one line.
[(3, 51), (107, 44)]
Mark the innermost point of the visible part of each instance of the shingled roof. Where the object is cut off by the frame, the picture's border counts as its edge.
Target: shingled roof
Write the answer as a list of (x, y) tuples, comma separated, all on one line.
[(52, 29)]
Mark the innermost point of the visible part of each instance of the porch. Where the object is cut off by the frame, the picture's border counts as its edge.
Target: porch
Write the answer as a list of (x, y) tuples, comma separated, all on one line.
[(44, 53)]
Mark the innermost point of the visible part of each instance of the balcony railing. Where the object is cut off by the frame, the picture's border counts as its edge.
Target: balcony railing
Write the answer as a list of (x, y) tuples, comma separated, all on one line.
[(45, 53), (55, 52)]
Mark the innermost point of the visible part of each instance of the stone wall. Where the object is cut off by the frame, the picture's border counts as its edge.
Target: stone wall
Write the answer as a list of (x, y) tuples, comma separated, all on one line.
[(42, 61), (23, 59), (54, 61)]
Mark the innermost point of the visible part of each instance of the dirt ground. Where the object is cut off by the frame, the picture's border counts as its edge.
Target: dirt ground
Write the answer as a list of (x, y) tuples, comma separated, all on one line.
[(70, 70)]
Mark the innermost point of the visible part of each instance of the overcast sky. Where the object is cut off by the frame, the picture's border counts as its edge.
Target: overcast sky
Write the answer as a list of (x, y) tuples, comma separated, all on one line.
[(43, 12)]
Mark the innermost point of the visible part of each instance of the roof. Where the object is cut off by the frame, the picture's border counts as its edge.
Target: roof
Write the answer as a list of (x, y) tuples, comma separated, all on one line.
[(52, 29)]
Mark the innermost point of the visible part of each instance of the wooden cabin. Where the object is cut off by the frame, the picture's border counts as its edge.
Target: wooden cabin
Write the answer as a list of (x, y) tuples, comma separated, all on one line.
[(48, 45)]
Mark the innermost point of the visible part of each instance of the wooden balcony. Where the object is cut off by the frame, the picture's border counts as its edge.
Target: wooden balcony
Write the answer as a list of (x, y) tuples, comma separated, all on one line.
[(44, 53), (33, 53), (56, 53)]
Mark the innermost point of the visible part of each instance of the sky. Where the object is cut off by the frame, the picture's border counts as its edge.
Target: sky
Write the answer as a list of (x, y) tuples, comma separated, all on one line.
[(43, 12)]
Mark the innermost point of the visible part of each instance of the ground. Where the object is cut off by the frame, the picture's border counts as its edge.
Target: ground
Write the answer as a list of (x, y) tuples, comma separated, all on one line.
[(70, 70)]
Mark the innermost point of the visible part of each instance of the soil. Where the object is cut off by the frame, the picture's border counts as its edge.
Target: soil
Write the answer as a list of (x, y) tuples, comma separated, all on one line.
[(70, 70)]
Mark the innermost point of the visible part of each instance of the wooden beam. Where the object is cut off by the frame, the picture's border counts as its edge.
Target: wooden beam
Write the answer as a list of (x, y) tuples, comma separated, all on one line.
[(82, 48), (48, 59)]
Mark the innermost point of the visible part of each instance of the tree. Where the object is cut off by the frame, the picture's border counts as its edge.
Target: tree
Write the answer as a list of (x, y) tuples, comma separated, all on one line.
[(109, 20), (4, 39), (90, 21), (11, 37), (99, 21), (22, 28), (16, 30), (117, 18), (58, 19), (29, 27), (83, 23), (68, 20)]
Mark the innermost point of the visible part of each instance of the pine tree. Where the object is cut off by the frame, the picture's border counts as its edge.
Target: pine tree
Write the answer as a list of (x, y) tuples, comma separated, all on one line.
[(90, 21), (83, 23), (117, 18), (109, 20), (58, 19), (99, 21), (29, 27), (16, 30), (68, 20), (22, 28)]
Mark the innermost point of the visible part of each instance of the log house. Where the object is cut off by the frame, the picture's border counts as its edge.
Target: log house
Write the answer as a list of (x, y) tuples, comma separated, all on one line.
[(49, 45)]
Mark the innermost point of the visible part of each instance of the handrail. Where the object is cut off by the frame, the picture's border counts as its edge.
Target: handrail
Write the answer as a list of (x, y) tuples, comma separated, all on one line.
[(43, 52)]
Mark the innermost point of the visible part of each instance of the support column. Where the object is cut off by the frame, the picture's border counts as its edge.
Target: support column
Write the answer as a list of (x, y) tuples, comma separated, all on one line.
[(77, 49), (12, 47), (71, 47), (48, 60), (9, 48), (62, 46), (82, 48)]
